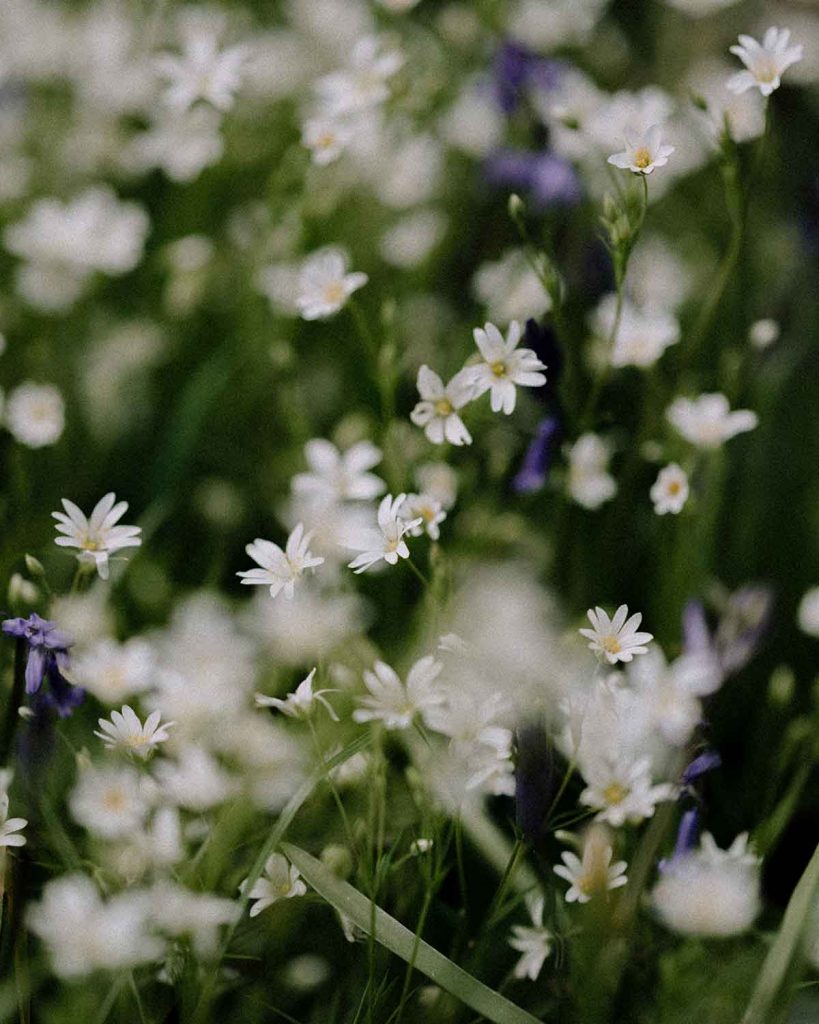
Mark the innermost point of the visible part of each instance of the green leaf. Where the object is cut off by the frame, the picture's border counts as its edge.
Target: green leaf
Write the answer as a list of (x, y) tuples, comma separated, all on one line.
[(404, 943), (785, 947)]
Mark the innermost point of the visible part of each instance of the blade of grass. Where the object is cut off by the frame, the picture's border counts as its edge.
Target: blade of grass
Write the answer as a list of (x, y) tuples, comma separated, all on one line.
[(404, 943), (786, 946)]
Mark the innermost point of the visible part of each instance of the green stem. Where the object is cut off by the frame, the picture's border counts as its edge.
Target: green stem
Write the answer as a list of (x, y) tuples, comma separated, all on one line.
[(16, 697)]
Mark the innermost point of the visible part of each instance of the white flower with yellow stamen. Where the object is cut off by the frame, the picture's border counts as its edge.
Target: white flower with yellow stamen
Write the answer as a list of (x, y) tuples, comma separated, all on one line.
[(644, 151), (670, 490), (437, 412), (616, 639), (125, 731), (765, 62), (504, 366), (325, 285), (623, 792), (428, 510), (281, 881), (387, 542), (594, 873), (99, 536), (280, 570), (392, 702)]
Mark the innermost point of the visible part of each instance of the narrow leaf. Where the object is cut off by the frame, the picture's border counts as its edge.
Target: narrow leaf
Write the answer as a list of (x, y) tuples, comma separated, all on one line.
[(404, 943)]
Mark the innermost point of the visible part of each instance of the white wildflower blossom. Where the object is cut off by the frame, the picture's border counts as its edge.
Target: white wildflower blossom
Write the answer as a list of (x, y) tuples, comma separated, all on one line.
[(533, 941), (428, 510), (589, 482), (437, 412), (669, 492), (301, 703), (202, 71), (707, 421), (617, 638), (280, 569), (34, 414), (325, 285), (594, 874), (98, 536), (280, 881), (394, 703), (339, 476), (124, 731), (623, 792), (109, 802), (387, 542), (505, 366), (644, 151), (765, 62)]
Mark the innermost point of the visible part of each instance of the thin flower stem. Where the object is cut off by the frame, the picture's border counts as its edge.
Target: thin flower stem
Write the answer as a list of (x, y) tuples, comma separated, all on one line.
[(419, 931), (418, 573), (16, 697)]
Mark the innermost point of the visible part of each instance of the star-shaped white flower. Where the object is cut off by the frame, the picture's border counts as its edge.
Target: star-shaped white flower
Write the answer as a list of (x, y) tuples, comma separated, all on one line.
[(670, 490), (125, 731), (339, 476), (765, 62), (301, 703), (644, 151), (96, 537), (504, 366), (533, 941), (396, 704), (280, 570), (707, 421), (616, 639), (202, 72), (594, 873), (623, 792), (325, 285), (281, 881), (437, 412), (387, 542), (426, 512)]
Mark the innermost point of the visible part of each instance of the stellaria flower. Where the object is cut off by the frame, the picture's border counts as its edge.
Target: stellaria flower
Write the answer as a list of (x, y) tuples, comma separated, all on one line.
[(281, 881), (504, 366), (533, 941), (10, 828), (616, 639), (35, 414), (98, 536), (387, 542), (765, 63), (202, 71), (339, 476), (364, 83), (594, 873), (707, 421), (644, 151), (669, 491), (426, 513), (589, 483), (437, 412), (47, 659), (280, 569), (325, 284), (623, 792), (391, 701), (125, 731), (301, 703)]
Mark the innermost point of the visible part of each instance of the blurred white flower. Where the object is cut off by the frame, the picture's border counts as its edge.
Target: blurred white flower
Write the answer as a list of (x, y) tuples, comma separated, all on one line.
[(707, 421), (504, 366), (281, 881), (765, 63), (642, 334), (125, 731), (644, 151), (510, 289), (709, 892), (808, 613), (195, 780), (301, 703), (437, 412), (364, 82), (669, 492), (395, 704), (280, 569), (622, 792), (589, 483), (325, 285), (339, 476), (179, 913), (409, 241), (426, 512), (112, 671), (181, 144), (110, 802), (35, 414), (202, 71), (387, 542), (438, 481), (326, 138), (10, 828), (98, 536), (533, 941), (594, 873), (763, 333), (616, 639)]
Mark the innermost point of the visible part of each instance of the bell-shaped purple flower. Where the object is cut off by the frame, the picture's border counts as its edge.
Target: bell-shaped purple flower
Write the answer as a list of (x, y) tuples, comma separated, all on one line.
[(537, 461), (47, 658)]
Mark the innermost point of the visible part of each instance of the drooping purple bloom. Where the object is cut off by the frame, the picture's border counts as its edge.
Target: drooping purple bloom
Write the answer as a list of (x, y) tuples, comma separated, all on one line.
[(546, 178), (516, 69), (47, 658), (537, 461), (707, 761)]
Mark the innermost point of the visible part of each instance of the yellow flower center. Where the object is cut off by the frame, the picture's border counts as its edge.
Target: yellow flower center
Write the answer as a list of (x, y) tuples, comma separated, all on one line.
[(642, 158), (114, 801), (674, 487), (615, 793), (498, 368), (90, 544), (443, 407), (325, 140), (610, 644), (334, 292)]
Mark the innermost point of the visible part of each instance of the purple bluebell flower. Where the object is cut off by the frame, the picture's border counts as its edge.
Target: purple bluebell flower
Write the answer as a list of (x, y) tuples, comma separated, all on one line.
[(516, 69), (707, 761), (46, 659), (546, 178), (537, 461), (688, 834)]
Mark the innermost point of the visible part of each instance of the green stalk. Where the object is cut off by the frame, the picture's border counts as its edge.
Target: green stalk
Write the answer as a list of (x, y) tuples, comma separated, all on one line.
[(18, 690), (400, 940)]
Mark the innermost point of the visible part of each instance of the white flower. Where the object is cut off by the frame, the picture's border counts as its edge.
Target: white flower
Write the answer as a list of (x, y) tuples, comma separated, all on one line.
[(533, 941), (35, 414), (437, 412), (510, 289), (10, 828), (707, 421), (339, 476), (623, 792), (326, 138), (504, 366), (113, 671), (765, 63), (196, 780), (364, 83), (426, 512), (280, 881), (439, 481), (325, 285), (99, 536), (387, 542), (202, 71), (644, 151), (110, 802), (124, 730), (594, 873), (421, 846), (642, 335), (182, 144), (280, 569), (590, 484), (763, 333), (301, 703), (709, 892), (395, 704), (808, 614), (669, 492), (616, 639)]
